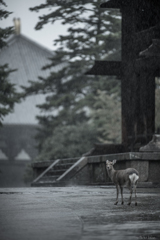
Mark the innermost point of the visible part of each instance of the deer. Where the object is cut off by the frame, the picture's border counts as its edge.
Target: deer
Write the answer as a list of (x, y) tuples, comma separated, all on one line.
[(120, 178)]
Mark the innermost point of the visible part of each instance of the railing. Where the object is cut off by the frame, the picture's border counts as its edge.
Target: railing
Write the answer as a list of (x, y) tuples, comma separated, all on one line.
[(56, 163), (47, 170)]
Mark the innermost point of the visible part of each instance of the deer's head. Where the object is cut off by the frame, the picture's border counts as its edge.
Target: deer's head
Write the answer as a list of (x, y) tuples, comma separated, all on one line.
[(109, 164)]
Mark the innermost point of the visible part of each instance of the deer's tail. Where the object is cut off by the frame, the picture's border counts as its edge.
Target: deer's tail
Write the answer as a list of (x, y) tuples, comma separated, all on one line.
[(133, 178)]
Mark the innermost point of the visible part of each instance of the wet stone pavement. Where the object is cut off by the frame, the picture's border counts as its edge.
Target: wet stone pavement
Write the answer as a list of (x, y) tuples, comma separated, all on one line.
[(86, 213)]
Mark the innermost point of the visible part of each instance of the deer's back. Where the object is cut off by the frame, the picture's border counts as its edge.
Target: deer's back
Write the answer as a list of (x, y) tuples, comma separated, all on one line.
[(121, 177)]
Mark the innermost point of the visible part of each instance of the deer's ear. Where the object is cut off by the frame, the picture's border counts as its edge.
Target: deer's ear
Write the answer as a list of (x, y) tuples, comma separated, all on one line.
[(114, 161)]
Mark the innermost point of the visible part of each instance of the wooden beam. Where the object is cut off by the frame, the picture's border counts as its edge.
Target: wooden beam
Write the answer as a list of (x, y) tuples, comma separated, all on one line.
[(114, 4), (112, 68)]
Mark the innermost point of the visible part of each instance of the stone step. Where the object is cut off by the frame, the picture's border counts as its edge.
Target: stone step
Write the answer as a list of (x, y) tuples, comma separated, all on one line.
[(69, 160), (64, 166), (49, 178), (54, 172), (48, 184), (57, 172)]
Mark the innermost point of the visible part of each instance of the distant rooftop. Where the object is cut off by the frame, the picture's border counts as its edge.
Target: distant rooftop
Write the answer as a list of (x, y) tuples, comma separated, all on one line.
[(22, 155), (28, 58), (3, 155)]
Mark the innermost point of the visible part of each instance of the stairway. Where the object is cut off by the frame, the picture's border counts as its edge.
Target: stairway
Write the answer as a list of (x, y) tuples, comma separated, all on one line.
[(55, 174)]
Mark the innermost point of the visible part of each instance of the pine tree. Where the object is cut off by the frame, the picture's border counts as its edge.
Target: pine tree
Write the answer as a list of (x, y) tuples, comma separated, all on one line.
[(8, 95), (106, 117), (68, 142), (93, 34)]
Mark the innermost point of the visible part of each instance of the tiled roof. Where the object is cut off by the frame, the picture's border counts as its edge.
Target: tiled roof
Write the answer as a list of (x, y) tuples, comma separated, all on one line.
[(28, 58)]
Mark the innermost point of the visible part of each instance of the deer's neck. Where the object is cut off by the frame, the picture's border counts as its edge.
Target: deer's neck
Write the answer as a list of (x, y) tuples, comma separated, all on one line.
[(111, 173)]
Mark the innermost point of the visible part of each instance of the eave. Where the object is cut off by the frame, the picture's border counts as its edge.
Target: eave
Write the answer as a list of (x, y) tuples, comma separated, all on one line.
[(110, 68), (114, 4)]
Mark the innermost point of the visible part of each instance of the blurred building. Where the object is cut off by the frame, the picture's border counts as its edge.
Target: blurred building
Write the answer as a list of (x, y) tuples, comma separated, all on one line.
[(17, 142)]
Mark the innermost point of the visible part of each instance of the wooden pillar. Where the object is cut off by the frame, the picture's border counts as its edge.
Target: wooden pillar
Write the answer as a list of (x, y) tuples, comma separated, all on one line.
[(147, 104), (138, 89), (128, 78)]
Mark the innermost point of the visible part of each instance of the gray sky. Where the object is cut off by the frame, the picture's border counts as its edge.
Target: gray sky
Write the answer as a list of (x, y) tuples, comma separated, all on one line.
[(20, 9)]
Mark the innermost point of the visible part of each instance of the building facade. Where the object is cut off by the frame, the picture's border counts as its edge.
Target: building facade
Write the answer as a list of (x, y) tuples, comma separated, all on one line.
[(17, 142)]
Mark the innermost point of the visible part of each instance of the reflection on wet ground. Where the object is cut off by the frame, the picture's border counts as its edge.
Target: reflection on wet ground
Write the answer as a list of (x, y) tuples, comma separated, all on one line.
[(126, 222), (85, 213)]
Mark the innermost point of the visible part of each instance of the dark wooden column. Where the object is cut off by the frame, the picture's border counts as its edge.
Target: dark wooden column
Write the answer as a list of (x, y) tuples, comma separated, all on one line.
[(128, 77), (140, 25), (145, 107), (138, 87)]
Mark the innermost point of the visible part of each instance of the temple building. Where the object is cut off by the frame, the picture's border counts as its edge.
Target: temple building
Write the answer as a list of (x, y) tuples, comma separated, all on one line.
[(17, 143)]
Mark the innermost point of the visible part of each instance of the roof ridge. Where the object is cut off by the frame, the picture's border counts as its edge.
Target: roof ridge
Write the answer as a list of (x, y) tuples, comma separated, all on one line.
[(13, 38)]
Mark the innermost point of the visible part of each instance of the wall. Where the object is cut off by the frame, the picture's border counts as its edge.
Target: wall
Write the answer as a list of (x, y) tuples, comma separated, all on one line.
[(12, 173), (95, 171), (14, 138), (154, 171)]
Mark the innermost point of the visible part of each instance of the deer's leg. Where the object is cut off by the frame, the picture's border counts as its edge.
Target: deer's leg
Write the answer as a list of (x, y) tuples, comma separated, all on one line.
[(130, 198), (129, 185), (135, 194), (117, 195), (121, 194)]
